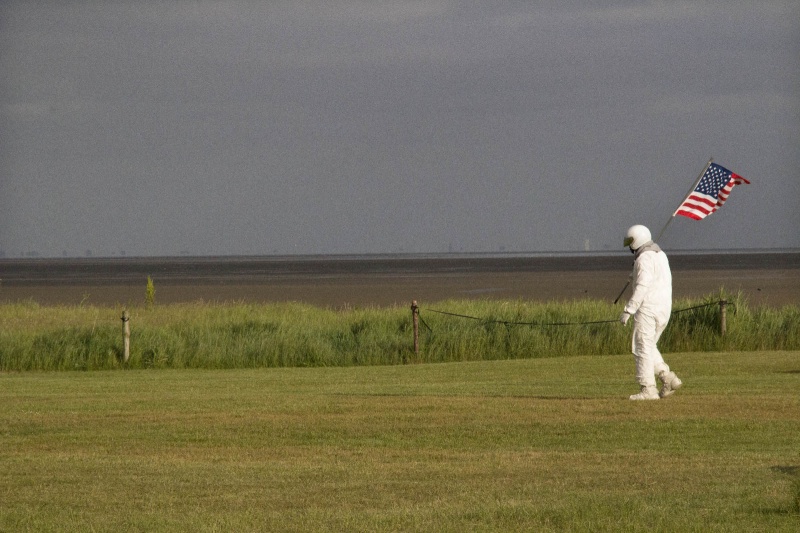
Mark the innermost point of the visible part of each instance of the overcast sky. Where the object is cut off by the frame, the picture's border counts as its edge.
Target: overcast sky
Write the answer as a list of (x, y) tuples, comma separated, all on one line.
[(213, 128)]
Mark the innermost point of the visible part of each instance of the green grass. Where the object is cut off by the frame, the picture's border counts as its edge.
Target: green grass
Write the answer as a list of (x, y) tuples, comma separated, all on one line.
[(201, 335), (525, 445)]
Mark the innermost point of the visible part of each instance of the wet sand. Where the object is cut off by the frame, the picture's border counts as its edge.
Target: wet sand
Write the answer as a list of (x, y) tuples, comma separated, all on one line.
[(764, 279)]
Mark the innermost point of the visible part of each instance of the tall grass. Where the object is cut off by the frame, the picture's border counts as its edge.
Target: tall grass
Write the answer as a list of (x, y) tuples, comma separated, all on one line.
[(236, 335)]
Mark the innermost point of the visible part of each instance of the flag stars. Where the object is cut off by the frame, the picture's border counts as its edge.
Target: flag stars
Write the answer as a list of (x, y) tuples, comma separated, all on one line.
[(710, 193)]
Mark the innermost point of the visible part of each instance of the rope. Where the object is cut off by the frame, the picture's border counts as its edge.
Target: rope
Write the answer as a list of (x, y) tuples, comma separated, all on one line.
[(425, 323), (511, 323), (697, 307), (544, 324)]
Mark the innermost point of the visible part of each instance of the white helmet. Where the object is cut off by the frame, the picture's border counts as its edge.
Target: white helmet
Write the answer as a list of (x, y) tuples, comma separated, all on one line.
[(637, 237)]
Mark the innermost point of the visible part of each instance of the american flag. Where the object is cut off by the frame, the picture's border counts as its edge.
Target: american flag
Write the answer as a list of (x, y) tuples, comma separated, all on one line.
[(711, 192)]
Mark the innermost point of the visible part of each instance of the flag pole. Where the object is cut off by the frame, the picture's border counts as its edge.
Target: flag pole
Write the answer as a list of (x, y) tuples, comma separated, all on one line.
[(660, 233), (671, 218), (710, 160)]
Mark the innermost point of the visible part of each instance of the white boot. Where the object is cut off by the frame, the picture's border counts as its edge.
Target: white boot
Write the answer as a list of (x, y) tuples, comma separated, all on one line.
[(649, 392), (669, 383)]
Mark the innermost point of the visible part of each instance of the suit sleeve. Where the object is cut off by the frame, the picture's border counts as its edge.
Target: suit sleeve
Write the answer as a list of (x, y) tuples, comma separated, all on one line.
[(643, 277)]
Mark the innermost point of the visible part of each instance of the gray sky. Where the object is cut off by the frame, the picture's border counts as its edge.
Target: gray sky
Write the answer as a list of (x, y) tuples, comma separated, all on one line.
[(212, 128)]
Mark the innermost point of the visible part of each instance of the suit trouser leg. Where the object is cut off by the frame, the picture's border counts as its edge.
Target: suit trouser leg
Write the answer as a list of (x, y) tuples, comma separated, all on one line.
[(647, 329)]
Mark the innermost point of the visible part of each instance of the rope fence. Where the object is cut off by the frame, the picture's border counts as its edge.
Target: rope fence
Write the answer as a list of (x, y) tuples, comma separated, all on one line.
[(416, 319)]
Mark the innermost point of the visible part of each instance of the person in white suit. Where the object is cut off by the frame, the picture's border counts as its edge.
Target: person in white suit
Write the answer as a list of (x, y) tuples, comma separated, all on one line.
[(650, 306)]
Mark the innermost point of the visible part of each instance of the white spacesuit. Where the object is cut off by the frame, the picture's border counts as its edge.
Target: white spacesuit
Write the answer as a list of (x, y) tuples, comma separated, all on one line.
[(650, 305)]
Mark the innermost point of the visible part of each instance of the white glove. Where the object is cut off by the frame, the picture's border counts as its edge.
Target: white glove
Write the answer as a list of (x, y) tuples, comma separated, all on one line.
[(624, 317)]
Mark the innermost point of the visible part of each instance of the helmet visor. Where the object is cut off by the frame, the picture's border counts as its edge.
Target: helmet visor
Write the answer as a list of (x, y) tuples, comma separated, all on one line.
[(628, 241)]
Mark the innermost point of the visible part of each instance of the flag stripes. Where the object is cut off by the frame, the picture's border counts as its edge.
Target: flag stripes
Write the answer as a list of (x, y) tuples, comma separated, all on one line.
[(710, 193)]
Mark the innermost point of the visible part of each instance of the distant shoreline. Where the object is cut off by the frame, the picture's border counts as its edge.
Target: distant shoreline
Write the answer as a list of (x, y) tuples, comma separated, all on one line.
[(199, 270), (769, 278)]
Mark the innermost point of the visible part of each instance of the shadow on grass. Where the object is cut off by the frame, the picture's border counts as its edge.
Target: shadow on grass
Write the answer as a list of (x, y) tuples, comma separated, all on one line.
[(476, 395), (794, 472)]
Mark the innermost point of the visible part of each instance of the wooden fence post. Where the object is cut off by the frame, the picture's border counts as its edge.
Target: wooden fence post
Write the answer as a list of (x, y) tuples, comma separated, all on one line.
[(126, 336), (723, 312), (415, 321)]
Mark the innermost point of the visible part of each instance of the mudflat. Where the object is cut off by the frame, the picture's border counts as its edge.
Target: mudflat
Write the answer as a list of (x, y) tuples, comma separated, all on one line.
[(770, 278)]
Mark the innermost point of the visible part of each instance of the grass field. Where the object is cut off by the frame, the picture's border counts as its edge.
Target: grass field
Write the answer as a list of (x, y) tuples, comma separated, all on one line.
[(523, 445)]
